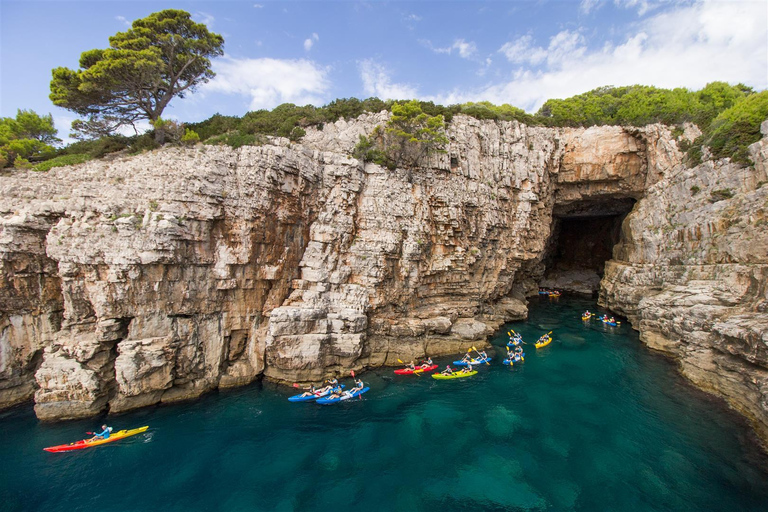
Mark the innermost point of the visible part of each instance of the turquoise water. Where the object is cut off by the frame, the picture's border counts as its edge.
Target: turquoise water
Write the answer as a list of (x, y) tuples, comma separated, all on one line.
[(592, 422)]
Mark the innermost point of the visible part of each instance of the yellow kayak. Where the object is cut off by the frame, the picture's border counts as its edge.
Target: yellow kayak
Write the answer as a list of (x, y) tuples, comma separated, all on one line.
[(86, 443), (455, 375), (544, 343)]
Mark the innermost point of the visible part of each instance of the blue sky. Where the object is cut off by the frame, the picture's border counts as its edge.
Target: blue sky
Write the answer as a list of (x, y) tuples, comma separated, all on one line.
[(517, 52)]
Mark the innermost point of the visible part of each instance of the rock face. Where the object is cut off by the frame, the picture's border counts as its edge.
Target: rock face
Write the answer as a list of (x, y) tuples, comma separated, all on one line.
[(158, 277), (691, 273)]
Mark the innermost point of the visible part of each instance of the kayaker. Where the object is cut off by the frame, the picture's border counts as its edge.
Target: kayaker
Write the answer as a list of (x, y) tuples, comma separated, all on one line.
[(448, 370), (466, 358), (337, 391), (333, 382), (482, 355), (426, 364), (411, 365), (104, 434), (310, 391), (467, 368), (358, 386)]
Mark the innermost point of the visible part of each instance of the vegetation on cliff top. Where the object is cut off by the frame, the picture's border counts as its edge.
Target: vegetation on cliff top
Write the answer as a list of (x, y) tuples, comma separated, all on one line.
[(729, 117), (162, 56)]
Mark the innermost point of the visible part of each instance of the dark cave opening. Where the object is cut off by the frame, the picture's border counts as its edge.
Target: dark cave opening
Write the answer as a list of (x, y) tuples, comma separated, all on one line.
[(582, 240)]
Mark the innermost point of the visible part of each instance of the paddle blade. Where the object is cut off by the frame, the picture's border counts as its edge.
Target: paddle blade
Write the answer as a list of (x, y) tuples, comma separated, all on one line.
[(296, 385), (399, 361), (352, 373)]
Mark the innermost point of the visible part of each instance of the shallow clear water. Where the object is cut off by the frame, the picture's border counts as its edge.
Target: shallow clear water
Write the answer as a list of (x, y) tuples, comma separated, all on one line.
[(592, 422)]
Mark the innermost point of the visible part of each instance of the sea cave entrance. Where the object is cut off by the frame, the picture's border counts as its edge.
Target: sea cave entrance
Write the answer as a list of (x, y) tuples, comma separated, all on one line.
[(582, 240)]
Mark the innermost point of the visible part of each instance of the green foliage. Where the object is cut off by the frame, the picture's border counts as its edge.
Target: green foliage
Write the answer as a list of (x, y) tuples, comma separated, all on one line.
[(167, 130), (160, 57), (505, 112), (638, 105), (695, 190), (734, 129), (234, 139), (215, 125), (94, 128), (61, 161), (28, 136), (297, 133), (367, 151), (97, 148), (409, 135), (190, 137)]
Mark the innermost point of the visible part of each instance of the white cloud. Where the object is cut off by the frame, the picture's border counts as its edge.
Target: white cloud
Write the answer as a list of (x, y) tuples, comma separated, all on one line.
[(688, 46), (465, 49), (258, 6), (310, 41), (563, 45), (520, 51), (377, 82), (270, 82), (642, 6), (123, 20), (205, 18)]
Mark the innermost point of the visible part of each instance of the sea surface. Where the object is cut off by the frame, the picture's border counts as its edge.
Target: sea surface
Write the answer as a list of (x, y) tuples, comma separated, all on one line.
[(593, 422)]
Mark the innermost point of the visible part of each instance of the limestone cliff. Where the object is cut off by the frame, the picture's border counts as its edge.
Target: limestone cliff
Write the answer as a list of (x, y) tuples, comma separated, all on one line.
[(691, 273), (157, 277)]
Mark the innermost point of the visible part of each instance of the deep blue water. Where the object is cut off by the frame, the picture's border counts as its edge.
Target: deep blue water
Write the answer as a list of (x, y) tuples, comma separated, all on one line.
[(593, 422)]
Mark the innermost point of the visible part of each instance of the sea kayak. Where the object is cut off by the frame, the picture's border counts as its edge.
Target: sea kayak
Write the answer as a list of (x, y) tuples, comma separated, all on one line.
[(315, 396), (472, 362), (344, 396), (408, 371), (87, 443), (455, 375), (586, 317), (544, 343), (514, 360)]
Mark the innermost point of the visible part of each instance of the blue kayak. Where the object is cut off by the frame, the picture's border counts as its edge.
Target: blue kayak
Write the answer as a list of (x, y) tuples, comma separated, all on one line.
[(344, 396), (473, 362), (512, 361), (299, 398)]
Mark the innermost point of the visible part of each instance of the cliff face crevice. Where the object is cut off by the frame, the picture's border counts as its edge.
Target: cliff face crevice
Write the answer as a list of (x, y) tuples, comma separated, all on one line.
[(161, 276)]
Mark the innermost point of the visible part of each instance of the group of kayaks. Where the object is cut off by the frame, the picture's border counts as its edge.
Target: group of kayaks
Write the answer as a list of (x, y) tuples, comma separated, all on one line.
[(586, 316), (331, 393), (549, 293)]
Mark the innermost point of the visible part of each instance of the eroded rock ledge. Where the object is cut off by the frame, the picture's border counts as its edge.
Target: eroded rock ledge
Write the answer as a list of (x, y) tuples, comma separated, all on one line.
[(158, 277)]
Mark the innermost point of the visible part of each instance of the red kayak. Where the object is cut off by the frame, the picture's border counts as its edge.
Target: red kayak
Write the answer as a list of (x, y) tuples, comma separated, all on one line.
[(86, 443), (408, 371)]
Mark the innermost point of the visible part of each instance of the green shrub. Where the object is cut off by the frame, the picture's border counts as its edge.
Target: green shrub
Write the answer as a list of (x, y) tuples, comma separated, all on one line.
[(297, 133), (61, 161), (190, 137), (695, 190), (734, 129), (234, 139)]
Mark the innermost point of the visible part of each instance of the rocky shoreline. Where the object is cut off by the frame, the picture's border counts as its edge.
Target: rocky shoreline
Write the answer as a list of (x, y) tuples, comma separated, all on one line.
[(155, 278)]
